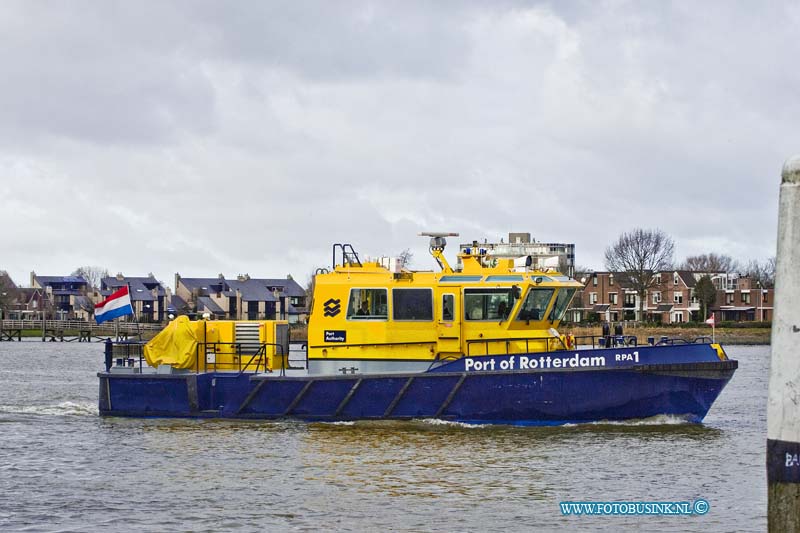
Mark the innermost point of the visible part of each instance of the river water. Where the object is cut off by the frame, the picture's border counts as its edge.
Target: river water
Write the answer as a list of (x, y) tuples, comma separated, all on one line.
[(63, 468)]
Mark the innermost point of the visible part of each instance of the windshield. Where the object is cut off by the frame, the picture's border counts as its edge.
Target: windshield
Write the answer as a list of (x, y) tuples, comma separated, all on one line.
[(562, 301), (535, 304), (487, 304)]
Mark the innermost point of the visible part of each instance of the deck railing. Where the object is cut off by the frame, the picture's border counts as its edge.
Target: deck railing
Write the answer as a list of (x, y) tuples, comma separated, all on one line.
[(78, 325)]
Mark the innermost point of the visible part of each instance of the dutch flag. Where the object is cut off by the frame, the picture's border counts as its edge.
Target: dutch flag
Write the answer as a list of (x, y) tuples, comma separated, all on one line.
[(116, 305)]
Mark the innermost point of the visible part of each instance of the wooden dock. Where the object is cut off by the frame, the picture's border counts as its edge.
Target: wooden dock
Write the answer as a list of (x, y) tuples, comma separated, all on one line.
[(74, 330)]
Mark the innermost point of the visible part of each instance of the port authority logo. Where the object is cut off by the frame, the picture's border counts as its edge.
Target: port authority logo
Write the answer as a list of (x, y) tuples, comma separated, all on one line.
[(335, 335), (332, 307)]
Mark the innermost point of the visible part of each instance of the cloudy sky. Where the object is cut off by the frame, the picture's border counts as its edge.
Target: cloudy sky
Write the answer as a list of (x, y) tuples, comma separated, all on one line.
[(206, 137)]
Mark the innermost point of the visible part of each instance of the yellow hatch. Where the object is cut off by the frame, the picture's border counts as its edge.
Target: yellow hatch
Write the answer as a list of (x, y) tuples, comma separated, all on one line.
[(221, 345)]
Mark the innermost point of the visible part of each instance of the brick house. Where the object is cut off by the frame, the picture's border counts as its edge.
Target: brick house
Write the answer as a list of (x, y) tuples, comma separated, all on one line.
[(740, 298), (610, 297)]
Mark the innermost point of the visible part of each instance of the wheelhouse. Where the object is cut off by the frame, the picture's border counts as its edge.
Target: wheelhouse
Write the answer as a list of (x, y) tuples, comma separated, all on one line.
[(381, 311)]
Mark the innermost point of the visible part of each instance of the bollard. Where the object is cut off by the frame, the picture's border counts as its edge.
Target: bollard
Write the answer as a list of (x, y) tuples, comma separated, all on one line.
[(109, 352), (783, 411)]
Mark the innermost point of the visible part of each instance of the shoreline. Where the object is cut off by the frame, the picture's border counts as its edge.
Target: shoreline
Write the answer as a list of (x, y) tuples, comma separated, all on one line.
[(726, 335)]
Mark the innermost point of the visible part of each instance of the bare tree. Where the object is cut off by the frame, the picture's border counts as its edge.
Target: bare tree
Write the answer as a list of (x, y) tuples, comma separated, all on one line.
[(640, 254), (405, 257), (8, 293), (92, 274), (763, 273), (710, 263)]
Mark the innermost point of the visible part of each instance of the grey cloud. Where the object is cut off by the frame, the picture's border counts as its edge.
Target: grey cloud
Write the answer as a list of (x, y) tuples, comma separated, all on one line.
[(205, 137)]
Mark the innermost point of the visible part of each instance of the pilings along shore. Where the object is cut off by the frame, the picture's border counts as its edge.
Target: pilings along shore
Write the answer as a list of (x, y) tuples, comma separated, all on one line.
[(783, 409)]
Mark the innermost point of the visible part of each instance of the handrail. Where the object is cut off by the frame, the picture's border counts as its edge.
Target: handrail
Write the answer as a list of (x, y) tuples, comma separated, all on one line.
[(672, 340), (507, 340), (260, 354), (353, 345), (349, 255)]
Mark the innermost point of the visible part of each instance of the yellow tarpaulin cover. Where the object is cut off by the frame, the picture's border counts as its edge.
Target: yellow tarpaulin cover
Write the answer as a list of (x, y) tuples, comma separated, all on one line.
[(176, 345)]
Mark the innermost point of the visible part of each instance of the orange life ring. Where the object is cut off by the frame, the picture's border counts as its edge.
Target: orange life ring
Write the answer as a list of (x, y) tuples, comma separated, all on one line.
[(569, 341)]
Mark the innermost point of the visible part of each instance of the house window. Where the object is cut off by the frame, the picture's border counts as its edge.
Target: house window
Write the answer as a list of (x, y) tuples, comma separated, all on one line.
[(677, 297), (658, 278), (745, 297), (368, 304), (594, 280), (412, 304), (764, 296), (592, 297), (675, 278), (678, 317), (630, 299), (656, 297), (612, 298), (611, 279), (729, 298)]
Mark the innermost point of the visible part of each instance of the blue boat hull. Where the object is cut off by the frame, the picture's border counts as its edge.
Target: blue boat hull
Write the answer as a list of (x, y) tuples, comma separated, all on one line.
[(680, 387)]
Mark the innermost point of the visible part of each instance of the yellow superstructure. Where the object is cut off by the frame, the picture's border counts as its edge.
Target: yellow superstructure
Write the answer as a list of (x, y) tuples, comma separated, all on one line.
[(367, 311)]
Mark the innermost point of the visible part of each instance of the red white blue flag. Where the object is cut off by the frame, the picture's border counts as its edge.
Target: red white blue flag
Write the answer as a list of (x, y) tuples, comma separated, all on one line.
[(116, 305)]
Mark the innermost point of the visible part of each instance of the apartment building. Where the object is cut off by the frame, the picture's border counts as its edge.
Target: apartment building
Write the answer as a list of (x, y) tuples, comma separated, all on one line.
[(544, 254), (62, 297), (243, 298)]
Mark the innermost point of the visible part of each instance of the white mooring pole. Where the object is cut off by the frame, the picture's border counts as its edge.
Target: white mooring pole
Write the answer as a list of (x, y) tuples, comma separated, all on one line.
[(783, 410)]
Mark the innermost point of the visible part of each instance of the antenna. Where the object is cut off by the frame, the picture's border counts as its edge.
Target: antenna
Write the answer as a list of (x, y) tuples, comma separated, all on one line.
[(438, 241), (436, 247)]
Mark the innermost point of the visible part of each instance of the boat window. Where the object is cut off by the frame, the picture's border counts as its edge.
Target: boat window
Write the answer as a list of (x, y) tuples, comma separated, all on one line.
[(535, 304), (562, 301), (368, 304), (448, 302), (487, 304), (504, 278), (412, 304), (459, 279)]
